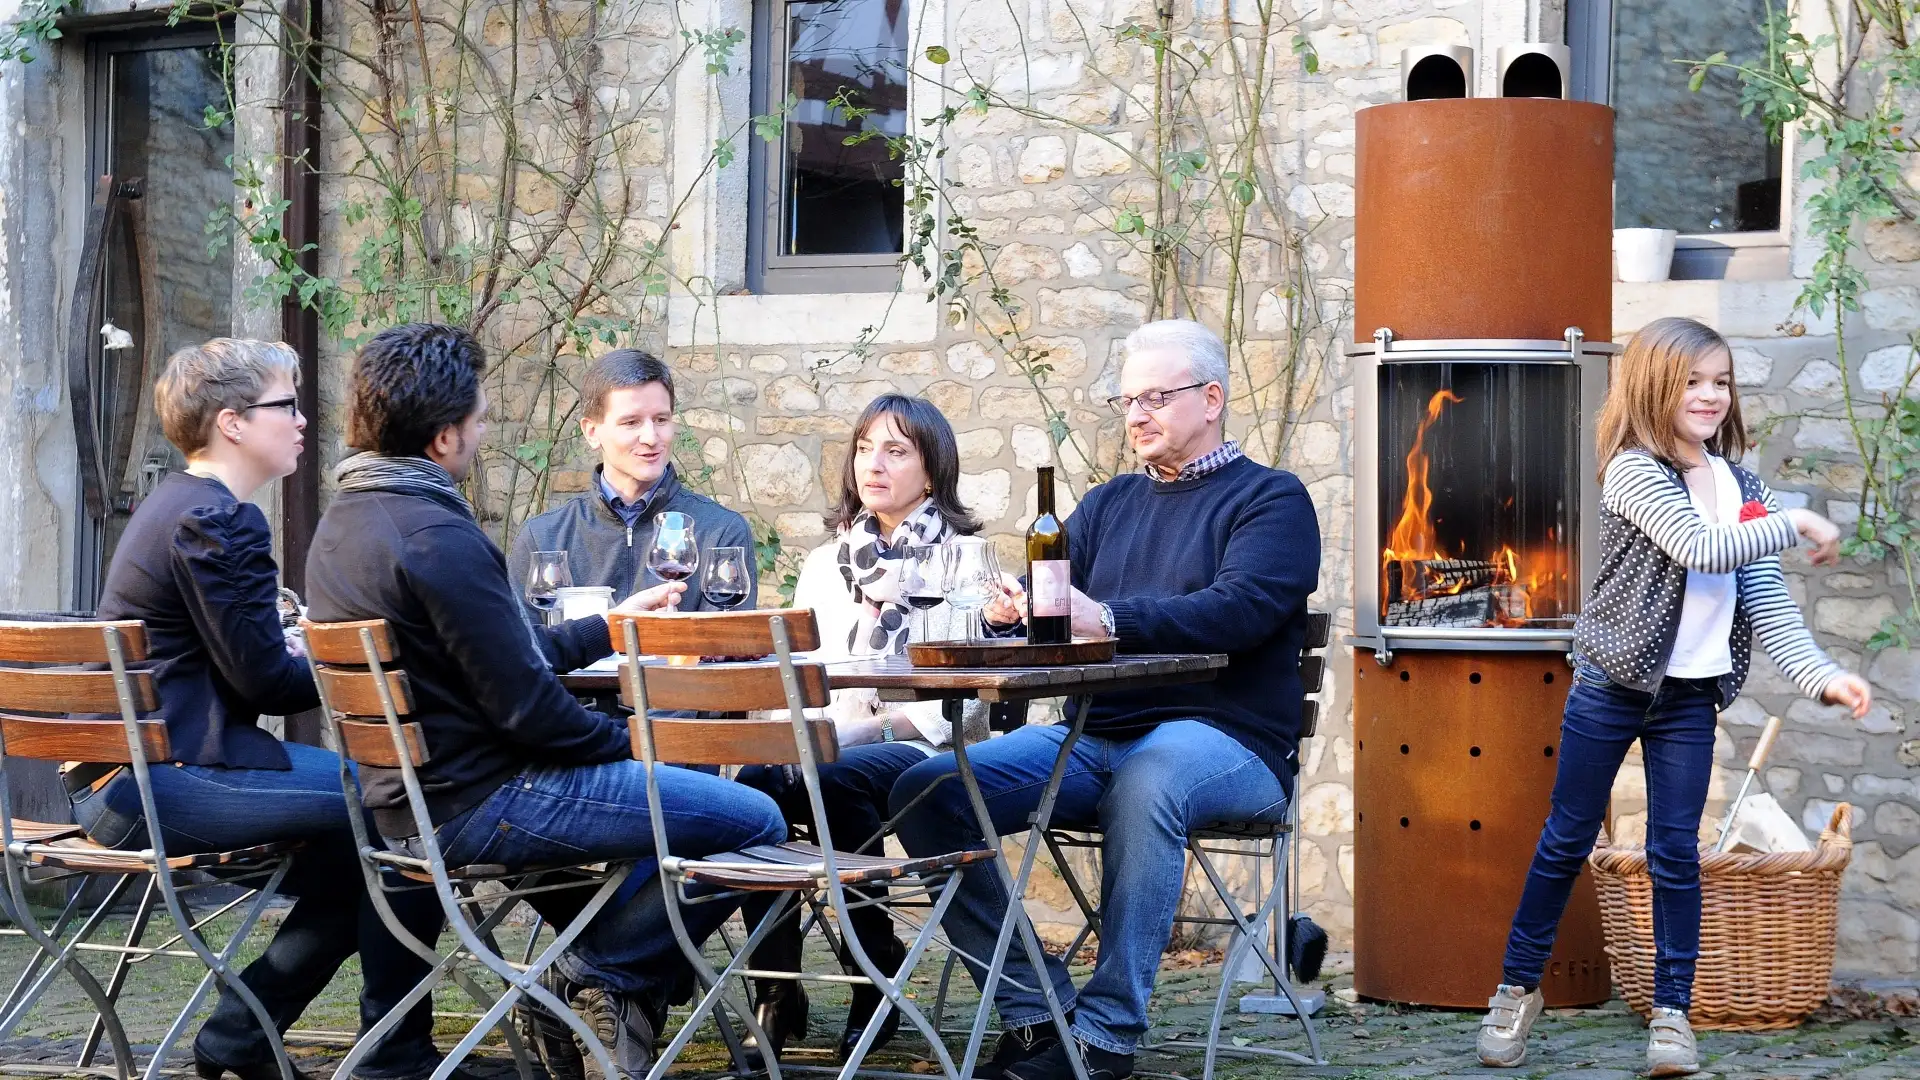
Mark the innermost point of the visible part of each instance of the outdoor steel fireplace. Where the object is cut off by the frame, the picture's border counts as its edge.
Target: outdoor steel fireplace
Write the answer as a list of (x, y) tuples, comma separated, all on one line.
[(1482, 333), (1473, 475)]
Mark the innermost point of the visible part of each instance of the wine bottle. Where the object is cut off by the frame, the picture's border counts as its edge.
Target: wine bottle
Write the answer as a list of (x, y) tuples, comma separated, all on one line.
[(1049, 573)]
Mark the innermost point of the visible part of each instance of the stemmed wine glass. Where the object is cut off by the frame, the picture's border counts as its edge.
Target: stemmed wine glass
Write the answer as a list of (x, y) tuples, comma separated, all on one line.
[(973, 578), (923, 580), (725, 582), (549, 574), (673, 555)]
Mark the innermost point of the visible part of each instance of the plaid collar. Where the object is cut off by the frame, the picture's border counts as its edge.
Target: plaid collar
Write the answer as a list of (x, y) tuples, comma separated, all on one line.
[(1219, 457)]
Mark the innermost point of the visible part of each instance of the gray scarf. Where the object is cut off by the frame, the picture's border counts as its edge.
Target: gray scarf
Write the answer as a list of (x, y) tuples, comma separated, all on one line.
[(406, 475)]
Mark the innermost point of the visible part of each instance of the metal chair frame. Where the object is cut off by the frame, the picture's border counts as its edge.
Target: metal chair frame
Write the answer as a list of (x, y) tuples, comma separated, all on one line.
[(1257, 931), (827, 879), (67, 855), (474, 935)]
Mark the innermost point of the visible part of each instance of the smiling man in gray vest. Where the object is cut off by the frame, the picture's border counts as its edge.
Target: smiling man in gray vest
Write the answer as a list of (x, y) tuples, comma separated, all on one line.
[(627, 404)]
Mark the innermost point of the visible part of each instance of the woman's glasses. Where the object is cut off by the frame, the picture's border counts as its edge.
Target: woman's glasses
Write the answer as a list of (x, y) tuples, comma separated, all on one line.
[(290, 404)]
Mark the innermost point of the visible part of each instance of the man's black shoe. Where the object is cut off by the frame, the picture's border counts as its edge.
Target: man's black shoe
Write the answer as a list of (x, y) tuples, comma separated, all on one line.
[(1017, 1045), (1053, 1065)]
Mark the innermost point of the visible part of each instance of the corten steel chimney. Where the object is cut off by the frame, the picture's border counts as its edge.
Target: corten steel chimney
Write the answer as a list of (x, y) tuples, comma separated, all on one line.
[(1482, 304)]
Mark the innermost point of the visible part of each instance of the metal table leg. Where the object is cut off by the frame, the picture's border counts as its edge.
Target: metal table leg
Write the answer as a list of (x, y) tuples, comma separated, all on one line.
[(1016, 886)]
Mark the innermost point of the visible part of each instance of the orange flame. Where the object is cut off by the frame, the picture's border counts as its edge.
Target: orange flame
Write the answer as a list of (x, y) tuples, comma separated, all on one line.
[(1412, 536)]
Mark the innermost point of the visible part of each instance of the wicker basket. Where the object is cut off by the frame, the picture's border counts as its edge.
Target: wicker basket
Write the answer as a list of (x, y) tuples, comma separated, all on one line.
[(1767, 928)]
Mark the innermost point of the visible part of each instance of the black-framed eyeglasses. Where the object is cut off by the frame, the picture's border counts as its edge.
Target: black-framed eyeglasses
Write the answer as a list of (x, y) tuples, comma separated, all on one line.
[(291, 404), (1152, 400)]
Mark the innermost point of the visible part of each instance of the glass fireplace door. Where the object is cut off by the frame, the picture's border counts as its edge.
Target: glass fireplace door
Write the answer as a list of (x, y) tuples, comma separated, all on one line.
[(1479, 494)]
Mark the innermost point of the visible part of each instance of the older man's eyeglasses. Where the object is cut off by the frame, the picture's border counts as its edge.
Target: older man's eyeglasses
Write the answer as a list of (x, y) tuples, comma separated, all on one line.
[(290, 404), (1152, 400)]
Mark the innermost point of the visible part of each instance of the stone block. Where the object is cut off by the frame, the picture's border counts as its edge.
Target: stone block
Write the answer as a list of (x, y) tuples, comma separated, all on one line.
[(973, 167), (824, 424), (1808, 748), (1313, 202), (1316, 444), (1089, 308), (987, 494), (1886, 368), (1327, 810), (732, 391), (1081, 262), (1102, 155), (1895, 307), (1043, 158), (767, 363), (919, 362), (955, 399), (980, 444), (1818, 379), (1892, 240), (1016, 263), (850, 398), (1854, 618), (791, 393), (1822, 433), (712, 420), (800, 526), (1434, 30), (774, 474), (970, 359), (1341, 46), (1877, 937), (1019, 402), (1017, 199), (1065, 357)]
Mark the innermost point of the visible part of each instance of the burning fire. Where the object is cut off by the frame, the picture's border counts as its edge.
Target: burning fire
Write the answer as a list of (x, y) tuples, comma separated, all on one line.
[(1416, 575)]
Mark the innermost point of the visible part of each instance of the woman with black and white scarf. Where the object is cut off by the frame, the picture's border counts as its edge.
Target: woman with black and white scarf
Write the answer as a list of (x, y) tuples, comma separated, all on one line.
[(899, 489)]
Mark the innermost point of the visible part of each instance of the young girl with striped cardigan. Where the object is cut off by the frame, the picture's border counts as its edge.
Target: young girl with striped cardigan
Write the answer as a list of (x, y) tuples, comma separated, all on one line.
[(1689, 574)]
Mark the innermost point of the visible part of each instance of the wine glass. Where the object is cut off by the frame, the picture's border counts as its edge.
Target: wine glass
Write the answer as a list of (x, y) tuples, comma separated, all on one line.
[(549, 573), (725, 582), (673, 555), (973, 577), (923, 580)]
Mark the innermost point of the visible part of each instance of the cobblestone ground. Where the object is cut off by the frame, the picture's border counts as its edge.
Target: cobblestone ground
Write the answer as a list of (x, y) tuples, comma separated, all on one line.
[(1360, 1040)]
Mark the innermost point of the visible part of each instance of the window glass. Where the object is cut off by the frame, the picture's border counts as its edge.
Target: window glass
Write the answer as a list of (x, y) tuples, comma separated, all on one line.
[(1688, 160), (836, 198)]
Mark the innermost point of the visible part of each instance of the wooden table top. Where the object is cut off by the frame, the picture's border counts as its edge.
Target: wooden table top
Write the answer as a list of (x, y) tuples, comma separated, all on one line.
[(897, 679)]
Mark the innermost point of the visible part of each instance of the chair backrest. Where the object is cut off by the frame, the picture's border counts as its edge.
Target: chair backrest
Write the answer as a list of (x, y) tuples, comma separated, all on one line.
[(345, 657), (733, 687), (1313, 669), (44, 676)]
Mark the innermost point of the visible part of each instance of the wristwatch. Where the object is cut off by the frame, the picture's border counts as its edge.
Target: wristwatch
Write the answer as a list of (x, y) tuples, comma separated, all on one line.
[(886, 726), (1106, 619)]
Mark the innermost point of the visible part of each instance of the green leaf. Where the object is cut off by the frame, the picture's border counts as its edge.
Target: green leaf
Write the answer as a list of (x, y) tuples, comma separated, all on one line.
[(937, 54), (1309, 57)]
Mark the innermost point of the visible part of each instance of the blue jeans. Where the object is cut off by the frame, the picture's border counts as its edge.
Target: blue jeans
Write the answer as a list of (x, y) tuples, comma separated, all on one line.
[(1145, 794), (1675, 726), (854, 790), (586, 813), (204, 808)]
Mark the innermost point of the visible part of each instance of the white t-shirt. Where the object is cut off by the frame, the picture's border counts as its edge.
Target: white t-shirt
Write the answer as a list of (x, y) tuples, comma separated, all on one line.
[(1701, 649)]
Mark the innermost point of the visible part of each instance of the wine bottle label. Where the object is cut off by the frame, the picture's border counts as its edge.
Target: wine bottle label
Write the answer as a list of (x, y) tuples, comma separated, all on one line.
[(1050, 587)]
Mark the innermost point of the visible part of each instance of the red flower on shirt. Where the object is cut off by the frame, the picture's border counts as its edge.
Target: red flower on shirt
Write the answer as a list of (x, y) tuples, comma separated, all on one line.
[(1752, 508)]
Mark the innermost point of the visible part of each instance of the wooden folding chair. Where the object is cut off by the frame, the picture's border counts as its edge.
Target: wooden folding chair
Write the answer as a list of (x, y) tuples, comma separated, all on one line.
[(48, 671), (363, 701), (1261, 931), (805, 870)]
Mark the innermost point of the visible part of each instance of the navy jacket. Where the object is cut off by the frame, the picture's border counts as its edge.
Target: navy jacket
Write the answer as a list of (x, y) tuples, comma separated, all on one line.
[(1222, 563), (488, 701), (196, 565), (603, 551)]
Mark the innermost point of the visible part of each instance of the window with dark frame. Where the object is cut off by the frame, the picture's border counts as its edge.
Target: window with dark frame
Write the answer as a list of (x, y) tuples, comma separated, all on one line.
[(827, 210), (1683, 159)]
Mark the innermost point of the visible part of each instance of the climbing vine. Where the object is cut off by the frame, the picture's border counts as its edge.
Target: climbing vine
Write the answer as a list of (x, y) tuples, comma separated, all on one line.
[(1848, 92)]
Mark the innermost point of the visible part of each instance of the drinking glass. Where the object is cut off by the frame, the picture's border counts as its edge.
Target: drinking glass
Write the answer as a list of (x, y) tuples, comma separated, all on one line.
[(549, 573), (923, 580), (673, 555), (726, 580), (973, 578)]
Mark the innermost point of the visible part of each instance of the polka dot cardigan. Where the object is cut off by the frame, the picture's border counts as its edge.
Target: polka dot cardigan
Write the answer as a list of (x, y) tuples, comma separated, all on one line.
[(1650, 537)]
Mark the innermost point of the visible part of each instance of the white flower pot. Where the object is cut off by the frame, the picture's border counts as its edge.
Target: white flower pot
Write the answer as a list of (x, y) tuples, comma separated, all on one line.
[(1643, 254)]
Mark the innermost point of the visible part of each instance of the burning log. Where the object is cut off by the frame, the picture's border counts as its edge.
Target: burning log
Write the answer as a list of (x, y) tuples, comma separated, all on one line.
[(1474, 607)]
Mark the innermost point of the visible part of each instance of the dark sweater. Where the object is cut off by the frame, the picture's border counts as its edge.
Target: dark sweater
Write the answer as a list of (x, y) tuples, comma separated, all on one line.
[(196, 565), (603, 550), (1220, 563), (488, 702)]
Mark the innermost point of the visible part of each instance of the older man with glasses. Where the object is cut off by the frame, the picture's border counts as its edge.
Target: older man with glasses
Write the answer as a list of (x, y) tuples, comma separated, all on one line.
[(1202, 551)]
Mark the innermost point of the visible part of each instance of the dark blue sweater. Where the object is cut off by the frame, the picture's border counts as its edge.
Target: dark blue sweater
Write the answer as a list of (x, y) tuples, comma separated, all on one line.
[(1220, 563)]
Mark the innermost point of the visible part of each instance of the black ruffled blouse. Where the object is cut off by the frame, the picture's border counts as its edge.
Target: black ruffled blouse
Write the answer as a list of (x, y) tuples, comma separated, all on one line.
[(196, 565)]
